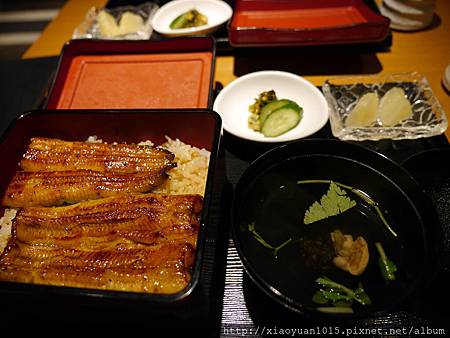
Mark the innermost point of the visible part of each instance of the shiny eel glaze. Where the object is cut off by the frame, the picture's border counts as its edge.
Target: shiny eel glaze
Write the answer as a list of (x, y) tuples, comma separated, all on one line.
[(57, 172), (44, 154), (143, 243), (54, 188)]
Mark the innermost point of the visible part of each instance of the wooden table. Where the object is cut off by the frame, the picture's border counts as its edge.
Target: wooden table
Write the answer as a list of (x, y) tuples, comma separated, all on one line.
[(427, 52)]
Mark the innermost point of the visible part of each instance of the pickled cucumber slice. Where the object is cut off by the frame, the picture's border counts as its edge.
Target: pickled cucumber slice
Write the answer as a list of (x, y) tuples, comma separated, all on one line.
[(179, 22), (272, 106), (192, 18), (394, 107), (365, 111), (282, 120)]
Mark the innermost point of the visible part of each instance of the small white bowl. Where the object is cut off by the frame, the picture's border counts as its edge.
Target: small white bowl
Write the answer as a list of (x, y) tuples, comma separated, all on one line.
[(233, 101), (218, 12)]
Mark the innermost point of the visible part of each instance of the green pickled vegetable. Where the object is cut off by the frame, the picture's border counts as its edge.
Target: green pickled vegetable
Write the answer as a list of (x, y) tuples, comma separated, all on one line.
[(255, 109), (261, 101), (282, 120), (271, 107), (273, 117), (192, 18)]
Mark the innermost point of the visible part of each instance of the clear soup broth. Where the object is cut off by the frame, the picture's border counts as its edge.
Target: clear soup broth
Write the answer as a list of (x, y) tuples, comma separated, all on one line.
[(276, 204)]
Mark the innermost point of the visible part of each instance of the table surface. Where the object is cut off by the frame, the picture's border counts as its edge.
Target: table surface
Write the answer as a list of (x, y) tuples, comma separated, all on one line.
[(427, 52)]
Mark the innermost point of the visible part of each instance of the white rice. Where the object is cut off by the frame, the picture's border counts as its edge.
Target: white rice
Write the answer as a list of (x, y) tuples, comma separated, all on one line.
[(5, 227), (146, 143), (189, 176), (94, 139)]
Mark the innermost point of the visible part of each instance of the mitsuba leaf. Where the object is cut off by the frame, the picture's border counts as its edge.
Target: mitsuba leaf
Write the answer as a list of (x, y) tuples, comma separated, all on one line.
[(361, 296), (335, 295), (319, 298), (387, 267), (334, 202), (257, 236), (339, 295)]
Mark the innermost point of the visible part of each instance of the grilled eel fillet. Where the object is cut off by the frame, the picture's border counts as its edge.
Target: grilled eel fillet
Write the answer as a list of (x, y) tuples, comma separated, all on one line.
[(51, 188), (143, 243), (58, 172), (44, 154)]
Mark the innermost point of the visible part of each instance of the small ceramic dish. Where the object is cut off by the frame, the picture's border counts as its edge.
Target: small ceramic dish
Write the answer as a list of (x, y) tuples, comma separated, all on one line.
[(233, 102), (218, 12), (343, 93)]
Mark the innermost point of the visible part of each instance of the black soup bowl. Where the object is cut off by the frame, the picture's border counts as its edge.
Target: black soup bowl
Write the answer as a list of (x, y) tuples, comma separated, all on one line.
[(284, 256)]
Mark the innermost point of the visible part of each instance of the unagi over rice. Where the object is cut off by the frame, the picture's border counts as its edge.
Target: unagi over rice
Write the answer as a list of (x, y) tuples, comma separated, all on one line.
[(44, 154), (85, 216), (55, 172), (140, 243), (59, 187)]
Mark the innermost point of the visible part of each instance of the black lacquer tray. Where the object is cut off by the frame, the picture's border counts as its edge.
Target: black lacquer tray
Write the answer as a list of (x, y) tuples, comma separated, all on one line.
[(248, 310)]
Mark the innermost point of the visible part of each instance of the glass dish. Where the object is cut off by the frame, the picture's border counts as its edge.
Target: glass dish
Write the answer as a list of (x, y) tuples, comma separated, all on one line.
[(342, 93), (90, 27)]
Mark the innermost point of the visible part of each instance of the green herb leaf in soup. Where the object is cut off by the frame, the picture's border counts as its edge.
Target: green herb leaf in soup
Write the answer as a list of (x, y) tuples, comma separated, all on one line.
[(387, 267), (338, 296), (334, 202), (361, 194), (257, 236)]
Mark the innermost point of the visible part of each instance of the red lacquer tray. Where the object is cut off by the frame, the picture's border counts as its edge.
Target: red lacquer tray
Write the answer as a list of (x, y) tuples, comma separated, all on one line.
[(300, 22), (175, 73)]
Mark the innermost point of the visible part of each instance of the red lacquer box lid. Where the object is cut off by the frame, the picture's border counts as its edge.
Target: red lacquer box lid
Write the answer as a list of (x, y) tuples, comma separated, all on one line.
[(176, 73), (299, 22)]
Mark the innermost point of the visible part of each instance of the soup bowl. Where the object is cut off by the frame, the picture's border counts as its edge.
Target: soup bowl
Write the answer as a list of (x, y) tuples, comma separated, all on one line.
[(282, 225)]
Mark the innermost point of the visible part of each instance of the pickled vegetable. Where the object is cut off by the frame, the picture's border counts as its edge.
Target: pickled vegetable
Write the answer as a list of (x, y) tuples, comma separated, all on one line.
[(107, 24), (282, 120), (365, 111), (192, 18), (255, 109), (271, 107), (129, 23), (394, 107), (261, 101), (273, 117)]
